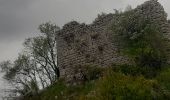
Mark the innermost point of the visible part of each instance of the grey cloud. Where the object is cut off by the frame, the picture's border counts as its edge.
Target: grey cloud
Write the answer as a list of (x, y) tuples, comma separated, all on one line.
[(12, 19), (19, 19)]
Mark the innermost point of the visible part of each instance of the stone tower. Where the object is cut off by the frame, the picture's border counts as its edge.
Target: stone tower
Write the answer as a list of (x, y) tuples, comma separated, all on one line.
[(81, 44)]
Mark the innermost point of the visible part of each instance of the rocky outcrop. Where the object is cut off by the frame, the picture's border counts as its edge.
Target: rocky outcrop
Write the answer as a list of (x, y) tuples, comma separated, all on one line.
[(81, 44)]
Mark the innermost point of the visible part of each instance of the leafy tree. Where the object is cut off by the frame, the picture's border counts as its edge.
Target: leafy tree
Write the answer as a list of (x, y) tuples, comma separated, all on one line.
[(50, 31), (44, 51), (36, 67), (5, 66)]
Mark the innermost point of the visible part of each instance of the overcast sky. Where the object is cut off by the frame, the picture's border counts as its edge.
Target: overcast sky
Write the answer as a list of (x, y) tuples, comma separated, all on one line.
[(19, 19)]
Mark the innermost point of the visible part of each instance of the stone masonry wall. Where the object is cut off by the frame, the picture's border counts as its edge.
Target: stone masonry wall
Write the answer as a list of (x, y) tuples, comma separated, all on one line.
[(81, 44)]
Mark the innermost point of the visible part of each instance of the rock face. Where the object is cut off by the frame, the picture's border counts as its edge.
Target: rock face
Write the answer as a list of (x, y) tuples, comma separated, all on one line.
[(81, 44)]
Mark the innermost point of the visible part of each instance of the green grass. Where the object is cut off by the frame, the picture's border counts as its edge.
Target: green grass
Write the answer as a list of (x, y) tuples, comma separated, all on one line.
[(60, 91), (49, 93), (113, 85), (117, 86), (164, 79)]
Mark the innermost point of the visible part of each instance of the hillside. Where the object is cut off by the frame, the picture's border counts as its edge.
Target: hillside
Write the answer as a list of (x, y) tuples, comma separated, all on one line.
[(120, 56)]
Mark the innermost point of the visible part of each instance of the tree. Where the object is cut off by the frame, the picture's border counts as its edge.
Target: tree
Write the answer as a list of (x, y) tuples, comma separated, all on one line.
[(5, 66), (36, 67), (43, 50), (50, 30), (23, 74)]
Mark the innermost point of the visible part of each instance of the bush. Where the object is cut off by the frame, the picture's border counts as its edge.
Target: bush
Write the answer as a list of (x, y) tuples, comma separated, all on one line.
[(133, 70), (60, 91), (89, 72), (117, 86), (142, 41), (164, 78), (93, 72), (127, 69)]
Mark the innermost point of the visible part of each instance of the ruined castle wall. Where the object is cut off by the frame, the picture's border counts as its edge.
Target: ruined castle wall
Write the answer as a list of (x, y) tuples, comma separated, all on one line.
[(81, 44), (154, 11)]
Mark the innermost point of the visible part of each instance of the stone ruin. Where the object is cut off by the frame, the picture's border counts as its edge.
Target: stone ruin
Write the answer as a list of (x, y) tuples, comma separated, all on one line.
[(81, 44)]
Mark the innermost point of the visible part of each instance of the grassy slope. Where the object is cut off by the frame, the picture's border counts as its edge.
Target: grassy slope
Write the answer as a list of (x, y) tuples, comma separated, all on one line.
[(60, 91), (112, 86)]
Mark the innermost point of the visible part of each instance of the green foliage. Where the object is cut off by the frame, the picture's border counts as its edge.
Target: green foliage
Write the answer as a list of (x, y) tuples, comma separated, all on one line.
[(92, 72), (59, 91), (129, 26), (127, 69), (142, 41), (49, 93), (164, 78), (113, 85), (22, 65), (153, 52), (133, 70), (117, 86)]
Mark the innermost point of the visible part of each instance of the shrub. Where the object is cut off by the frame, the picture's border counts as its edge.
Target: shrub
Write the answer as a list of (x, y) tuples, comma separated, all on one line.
[(117, 86), (133, 70), (127, 69), (142, 41), (164, 78), (92, 72)]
